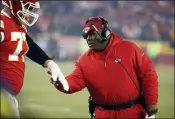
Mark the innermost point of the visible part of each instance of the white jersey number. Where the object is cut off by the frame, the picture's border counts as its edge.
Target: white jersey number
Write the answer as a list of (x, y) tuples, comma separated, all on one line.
[(20, 37)]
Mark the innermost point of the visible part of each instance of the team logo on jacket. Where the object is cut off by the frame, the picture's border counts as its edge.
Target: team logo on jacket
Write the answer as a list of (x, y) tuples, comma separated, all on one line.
[(117, 60)]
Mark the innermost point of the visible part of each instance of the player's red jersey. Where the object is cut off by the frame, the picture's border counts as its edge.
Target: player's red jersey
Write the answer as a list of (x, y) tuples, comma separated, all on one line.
[(12, 48)]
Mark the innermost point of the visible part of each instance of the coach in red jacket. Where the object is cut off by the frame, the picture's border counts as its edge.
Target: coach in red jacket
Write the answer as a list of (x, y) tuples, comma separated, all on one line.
[(117, 73)]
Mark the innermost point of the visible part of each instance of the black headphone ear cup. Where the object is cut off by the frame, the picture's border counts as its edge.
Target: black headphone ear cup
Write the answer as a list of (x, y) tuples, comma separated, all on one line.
[(103, 33), (107, 33)]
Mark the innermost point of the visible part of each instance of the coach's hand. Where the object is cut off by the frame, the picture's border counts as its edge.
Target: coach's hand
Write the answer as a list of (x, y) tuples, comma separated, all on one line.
[(151, 109), (56, 74)]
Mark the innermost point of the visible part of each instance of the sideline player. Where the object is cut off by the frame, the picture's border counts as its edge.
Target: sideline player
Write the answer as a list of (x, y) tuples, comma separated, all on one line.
[(14, 44)]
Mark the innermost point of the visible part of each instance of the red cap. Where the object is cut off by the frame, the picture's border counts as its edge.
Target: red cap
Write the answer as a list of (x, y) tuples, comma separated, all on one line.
[(91, 23)]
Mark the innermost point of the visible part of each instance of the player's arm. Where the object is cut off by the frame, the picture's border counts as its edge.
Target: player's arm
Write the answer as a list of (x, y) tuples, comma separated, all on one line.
[(36, 54)]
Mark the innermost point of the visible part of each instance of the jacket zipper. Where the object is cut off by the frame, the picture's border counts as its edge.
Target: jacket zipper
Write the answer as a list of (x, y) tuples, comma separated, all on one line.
[(105, 63)]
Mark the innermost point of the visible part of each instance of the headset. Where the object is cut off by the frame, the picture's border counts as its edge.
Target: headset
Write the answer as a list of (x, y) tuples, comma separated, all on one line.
[(105, 32)]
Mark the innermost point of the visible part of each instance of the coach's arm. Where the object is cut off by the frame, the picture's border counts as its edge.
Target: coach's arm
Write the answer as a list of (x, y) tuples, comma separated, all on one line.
[(75, 80), (149, 80)]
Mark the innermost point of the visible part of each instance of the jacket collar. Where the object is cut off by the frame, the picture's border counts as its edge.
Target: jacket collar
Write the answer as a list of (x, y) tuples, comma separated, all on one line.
[(113, 41)]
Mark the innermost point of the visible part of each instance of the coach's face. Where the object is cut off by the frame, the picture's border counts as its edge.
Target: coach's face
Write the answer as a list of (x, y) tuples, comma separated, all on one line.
[(95, 42)]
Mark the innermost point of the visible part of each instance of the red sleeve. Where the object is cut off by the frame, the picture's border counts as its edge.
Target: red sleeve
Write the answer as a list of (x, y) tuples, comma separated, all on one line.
[(75, 80), (147, 76)]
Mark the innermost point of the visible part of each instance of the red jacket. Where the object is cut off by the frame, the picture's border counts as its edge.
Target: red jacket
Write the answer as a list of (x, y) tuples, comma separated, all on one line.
[(107, 81)]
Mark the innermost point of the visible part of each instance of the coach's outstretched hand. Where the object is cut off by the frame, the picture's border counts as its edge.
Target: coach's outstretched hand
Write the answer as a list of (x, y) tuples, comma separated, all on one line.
[(56, 75), (151, 110)]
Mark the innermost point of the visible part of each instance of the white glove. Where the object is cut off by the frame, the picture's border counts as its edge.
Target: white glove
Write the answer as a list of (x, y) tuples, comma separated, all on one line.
[(57, 75), (151, 117)]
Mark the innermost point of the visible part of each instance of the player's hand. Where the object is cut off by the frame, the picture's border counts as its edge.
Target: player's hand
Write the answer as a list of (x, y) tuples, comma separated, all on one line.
[(57, 83), (56, 75)]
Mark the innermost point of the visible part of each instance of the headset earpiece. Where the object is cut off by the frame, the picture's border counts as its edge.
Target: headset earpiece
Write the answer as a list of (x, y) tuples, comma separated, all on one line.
[(105, 31)]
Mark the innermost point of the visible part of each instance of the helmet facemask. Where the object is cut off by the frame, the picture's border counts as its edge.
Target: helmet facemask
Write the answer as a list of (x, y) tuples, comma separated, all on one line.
[(26, 14)]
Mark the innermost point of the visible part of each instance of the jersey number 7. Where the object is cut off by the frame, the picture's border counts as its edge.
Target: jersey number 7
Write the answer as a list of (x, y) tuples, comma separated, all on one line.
[(20, 37)]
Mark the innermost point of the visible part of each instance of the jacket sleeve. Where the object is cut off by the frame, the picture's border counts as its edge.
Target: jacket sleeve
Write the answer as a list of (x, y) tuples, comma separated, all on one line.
[(75, 80), (147, 75)]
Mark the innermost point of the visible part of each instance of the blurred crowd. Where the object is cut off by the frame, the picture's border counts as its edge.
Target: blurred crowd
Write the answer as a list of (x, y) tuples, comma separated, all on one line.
[(133, 20), (138, 20)]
